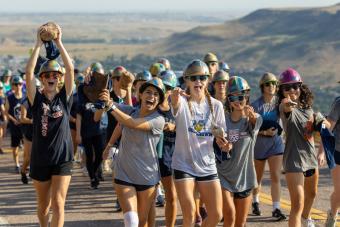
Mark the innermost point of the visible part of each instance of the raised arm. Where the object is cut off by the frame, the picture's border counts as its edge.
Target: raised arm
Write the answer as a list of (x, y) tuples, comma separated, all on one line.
[(69, 68), (30, 79)]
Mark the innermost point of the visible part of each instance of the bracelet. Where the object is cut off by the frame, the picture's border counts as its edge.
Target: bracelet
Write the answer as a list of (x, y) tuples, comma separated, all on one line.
[(111, 108)]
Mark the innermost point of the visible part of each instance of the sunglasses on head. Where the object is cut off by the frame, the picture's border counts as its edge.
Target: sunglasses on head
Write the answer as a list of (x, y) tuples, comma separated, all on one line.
[(194, 78), (269, 83), (288, 87), (50, 75), (237, 98)]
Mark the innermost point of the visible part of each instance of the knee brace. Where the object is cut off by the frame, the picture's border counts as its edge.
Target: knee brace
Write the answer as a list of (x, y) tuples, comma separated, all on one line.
[(131, 219)]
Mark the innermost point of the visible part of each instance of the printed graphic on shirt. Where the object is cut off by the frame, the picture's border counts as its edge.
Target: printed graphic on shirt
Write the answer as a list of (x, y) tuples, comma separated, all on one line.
[(235, 135), (17, 111), (308, 130), (199, 124), (55, 112)]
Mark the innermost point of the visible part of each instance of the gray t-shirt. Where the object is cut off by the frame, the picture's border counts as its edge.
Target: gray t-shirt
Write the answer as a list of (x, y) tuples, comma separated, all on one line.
[(194, 152), (137, 160), (266, 146), (238, 173), (299, 154), (334, 115)]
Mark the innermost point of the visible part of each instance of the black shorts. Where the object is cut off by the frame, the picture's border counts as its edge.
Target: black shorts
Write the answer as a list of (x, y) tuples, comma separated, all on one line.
[(242, 195), (138, 187), (309, 173), (337, 157), (180, 175), (16, 140), (164, 169), (45, 173)]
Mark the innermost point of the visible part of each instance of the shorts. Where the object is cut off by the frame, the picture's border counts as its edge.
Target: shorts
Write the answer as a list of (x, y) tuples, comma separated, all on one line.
[(242, 195), (45, 173), (164, 169), (309, 173), (264, 159), (15, 140), (138, 187), (337, 157), (180, 175)]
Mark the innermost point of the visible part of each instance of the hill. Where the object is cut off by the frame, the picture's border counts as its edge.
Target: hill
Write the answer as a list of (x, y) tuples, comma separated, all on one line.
[(270, 39)]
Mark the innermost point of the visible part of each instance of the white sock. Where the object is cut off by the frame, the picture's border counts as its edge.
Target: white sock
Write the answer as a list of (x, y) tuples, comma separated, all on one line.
[(276, 205), (159, 190), (256, 198), (131, 219)]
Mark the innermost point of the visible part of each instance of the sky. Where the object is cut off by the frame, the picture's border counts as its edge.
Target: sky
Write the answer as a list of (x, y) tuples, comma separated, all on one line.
[(151, 5)]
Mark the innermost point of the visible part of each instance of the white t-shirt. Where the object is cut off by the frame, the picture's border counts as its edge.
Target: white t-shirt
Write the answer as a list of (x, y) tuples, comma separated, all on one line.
[(194, 141)]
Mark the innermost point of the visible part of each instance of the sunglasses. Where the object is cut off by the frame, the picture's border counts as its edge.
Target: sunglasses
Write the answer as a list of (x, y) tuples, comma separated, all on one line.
[(168, 88), (268, 84), (116, 78), (50, 75), (194, 78), (212, 63), (16, 84), (238, 98), (288, 87)]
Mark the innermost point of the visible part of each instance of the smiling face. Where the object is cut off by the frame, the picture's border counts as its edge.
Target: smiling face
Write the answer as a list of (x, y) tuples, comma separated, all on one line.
[(16, 87), (150, 98), (292, 91), (213, 67), (238, 101), (269, 88), (50, 81), (196, 84)]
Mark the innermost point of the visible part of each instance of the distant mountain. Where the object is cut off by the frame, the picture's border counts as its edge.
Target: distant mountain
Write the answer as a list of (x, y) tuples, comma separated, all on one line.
[(271, 39)]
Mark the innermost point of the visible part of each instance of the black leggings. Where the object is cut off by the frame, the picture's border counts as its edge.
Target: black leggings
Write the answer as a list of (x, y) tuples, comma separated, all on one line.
[(93, 146)]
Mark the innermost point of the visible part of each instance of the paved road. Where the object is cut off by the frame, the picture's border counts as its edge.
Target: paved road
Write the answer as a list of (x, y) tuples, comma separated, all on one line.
[(86, 207)]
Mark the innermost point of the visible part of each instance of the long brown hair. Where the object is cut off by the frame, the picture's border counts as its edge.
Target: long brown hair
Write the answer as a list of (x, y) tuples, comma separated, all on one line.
[(306, 97)]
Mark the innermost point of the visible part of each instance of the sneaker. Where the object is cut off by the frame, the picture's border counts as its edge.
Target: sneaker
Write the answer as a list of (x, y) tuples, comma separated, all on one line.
[(17, 169), (308, 222), (331, 221), (24, 178), (279, 215), (94, 184), (256, 209), (160, 202), (117, 206), (203, 213), (198, 221), (85, 173)]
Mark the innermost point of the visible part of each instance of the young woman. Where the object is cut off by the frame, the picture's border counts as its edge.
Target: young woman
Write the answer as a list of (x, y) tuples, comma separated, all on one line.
[(299, 157), (6, 80), (52, 151), (334, 119), (237, 172), (136, 168), (167, 148), (269, 144), (220, 81), (3, 117), (27, 129), (91, 131), (193, 160), (12, 106)]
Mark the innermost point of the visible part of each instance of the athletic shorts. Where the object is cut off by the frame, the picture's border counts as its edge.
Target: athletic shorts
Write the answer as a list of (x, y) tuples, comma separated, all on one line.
[(243, 194), (309, 173), (337, 157), (45, 173), (15, 141), (164, 169), (180, 175), (264, 159), (138, 187)]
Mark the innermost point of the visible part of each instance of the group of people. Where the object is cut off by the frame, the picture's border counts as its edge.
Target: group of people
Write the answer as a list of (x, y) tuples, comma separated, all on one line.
[(199, 137)]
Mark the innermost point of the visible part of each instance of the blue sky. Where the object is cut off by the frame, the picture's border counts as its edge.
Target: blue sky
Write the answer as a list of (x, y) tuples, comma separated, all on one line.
[(150, 5)]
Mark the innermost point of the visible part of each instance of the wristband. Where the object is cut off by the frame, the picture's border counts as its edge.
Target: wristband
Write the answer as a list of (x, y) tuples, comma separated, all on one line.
[(111, 108)]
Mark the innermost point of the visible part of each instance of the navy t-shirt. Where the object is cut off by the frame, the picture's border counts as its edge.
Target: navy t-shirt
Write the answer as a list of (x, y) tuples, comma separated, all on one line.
[(27, 128), (74, 110), (15, 111), (86, 109), (52, 142)]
